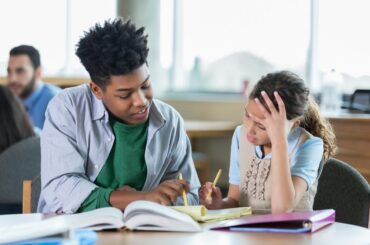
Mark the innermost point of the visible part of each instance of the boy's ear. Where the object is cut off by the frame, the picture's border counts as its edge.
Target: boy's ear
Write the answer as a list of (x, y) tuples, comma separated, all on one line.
[(97, 91)]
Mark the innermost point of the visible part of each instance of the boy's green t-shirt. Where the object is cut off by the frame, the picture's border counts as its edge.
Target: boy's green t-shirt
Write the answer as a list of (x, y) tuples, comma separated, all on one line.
[(125, 164)]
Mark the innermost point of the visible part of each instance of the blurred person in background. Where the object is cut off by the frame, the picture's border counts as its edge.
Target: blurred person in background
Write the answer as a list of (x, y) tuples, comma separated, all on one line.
[(24, 79)]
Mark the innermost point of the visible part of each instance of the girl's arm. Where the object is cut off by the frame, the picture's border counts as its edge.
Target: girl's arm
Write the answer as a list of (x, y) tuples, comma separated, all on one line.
[(286, 191), (232, 199)]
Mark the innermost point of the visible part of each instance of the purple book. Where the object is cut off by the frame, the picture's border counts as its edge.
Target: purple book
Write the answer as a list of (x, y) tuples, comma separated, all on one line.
[(297, 222)]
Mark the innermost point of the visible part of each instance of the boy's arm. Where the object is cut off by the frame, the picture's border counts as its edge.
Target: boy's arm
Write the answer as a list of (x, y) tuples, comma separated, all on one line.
[(64, 182), (98, 198), (182, 162)]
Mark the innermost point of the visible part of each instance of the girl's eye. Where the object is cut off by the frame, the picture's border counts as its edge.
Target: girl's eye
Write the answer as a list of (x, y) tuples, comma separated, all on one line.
[(246, 114), (146, 86), (261, 127)]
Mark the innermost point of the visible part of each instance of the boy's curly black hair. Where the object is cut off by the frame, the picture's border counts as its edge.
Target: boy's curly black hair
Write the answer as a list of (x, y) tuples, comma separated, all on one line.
[(115, 48)]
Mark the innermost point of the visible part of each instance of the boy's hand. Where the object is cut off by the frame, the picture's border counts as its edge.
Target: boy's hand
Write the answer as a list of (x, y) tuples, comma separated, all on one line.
[(215, 199), (167, 192)]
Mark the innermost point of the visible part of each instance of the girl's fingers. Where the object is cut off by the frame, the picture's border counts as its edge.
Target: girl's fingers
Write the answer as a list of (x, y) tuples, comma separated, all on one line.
[(203, 193), (262, 108), (280, 102), (208, 186), (268, 101), (217, 193)]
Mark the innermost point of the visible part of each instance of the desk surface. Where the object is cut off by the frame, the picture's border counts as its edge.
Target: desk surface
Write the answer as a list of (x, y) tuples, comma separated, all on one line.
[(336, 233)]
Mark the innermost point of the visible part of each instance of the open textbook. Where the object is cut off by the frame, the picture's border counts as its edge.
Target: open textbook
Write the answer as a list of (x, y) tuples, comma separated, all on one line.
[(145, 215), (139, 215)]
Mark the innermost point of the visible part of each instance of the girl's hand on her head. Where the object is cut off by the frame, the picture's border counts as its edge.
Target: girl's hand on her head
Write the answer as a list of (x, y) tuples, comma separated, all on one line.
[(275, 121), (214, 201)]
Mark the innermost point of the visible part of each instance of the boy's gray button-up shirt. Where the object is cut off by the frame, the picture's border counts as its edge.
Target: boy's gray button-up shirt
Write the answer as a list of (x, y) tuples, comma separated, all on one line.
[(77, 139)]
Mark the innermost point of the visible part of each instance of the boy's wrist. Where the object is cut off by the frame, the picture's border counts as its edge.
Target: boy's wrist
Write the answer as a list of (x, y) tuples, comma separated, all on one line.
[(121, 198)]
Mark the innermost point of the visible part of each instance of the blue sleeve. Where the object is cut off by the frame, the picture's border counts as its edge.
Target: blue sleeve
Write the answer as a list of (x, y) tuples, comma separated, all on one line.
[(234, 173), (306, 161)]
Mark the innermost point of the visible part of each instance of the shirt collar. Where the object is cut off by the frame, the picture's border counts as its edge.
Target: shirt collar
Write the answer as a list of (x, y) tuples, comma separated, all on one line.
[(293, 139), (30, 100), (156, 120), (156, 115)]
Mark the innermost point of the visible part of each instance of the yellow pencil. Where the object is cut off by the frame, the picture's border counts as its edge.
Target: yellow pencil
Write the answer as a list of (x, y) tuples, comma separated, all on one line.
[(184, 193), (214, 182)]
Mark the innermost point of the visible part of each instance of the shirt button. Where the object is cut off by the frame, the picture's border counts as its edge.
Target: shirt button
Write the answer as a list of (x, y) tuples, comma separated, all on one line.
[(96, 166)]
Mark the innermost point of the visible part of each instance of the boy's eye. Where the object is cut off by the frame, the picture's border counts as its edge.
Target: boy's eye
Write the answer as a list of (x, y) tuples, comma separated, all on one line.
[(125, 96), (261, 127)]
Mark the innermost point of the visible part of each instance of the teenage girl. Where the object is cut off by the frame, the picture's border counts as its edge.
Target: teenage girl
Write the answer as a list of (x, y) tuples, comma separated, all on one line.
[(276, 153)]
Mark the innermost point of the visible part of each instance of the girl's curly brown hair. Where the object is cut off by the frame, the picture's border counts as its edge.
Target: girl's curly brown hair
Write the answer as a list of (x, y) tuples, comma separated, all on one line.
[(298, 103)]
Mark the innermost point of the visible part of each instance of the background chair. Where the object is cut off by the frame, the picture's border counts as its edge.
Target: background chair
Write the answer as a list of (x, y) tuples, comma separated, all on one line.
[(31, 194), (344, 189), (19, 162)]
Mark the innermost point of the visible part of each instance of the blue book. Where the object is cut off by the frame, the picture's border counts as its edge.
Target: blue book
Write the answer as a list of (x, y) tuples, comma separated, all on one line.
[(77, 237)]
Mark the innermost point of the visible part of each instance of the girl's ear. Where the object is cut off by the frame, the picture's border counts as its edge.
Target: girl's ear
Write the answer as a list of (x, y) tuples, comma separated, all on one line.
[(297, 123)]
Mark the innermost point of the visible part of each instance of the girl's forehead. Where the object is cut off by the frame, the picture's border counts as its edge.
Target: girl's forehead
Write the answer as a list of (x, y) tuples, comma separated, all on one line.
[(252, 107)]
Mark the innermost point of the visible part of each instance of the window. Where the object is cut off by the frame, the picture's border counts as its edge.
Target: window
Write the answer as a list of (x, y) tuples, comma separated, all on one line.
[(222, 45), (53, 27), (226, 43), (344, 41)]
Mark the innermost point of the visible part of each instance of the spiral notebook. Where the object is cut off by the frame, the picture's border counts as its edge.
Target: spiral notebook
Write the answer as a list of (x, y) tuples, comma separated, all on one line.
[(296, 222)]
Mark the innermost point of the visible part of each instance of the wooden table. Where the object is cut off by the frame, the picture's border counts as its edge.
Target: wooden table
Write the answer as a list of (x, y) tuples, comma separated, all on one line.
[(337, 233)]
